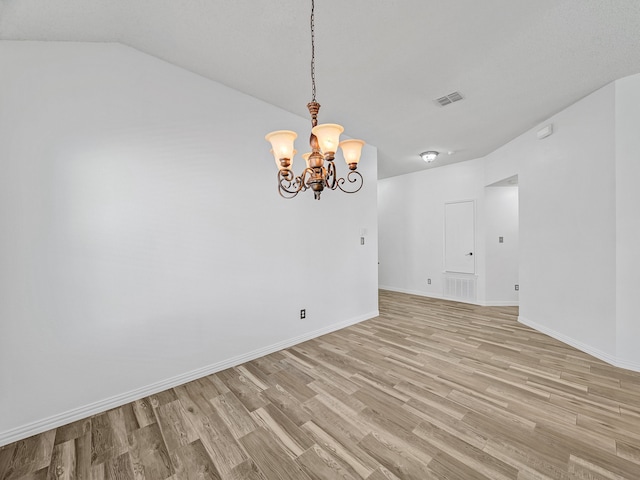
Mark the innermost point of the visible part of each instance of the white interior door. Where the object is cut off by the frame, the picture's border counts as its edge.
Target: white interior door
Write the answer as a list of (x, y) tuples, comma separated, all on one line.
[(459, 244)]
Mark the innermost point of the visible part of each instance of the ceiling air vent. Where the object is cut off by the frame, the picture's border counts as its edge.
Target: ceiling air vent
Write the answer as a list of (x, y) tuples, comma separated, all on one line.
[(449, 99)]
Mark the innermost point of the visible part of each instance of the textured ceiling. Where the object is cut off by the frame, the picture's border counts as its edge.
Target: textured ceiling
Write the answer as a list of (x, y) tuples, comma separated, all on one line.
[(380, 63)]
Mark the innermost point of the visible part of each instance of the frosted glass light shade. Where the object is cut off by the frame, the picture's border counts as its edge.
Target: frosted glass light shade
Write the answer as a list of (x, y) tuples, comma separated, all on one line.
[(351, 149), (328, 136), (282, 143)]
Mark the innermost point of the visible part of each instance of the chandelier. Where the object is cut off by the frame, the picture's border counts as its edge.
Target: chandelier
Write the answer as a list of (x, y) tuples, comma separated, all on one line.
[(320, 171)]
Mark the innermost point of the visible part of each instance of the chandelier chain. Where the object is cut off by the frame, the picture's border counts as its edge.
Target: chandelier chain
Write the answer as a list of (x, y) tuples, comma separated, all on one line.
[(313, 53)]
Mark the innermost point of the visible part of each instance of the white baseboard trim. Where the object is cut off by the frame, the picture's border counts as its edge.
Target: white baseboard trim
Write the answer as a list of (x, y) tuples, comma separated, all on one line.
[(496, 303), (460, 300), (501, 303), (633, 366), (604, 356), (410, 292), (58, 420)]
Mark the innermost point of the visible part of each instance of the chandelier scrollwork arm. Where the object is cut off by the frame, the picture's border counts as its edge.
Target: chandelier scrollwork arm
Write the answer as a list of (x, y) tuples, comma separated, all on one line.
[(353, 178), (288, 185), (331, 176)]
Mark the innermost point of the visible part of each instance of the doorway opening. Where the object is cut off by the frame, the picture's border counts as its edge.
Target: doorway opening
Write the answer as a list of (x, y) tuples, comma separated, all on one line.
[(502, 286)]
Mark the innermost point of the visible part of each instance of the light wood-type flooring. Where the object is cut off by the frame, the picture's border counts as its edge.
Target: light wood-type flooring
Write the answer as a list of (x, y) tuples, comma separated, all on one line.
[(430, 389)]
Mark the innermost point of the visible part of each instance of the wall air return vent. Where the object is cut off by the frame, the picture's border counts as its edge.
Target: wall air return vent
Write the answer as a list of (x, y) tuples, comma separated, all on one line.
[(449, 99), (460, 286)]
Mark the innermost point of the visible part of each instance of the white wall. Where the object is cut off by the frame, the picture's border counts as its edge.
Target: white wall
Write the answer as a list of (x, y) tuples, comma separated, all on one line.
[(143, 242), (627, 146), (579, 231), (501, 217), (567, 223), (411, 219)]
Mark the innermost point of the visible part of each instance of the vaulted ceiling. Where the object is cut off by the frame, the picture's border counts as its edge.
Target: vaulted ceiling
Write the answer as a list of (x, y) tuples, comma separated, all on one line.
[(380, 63)]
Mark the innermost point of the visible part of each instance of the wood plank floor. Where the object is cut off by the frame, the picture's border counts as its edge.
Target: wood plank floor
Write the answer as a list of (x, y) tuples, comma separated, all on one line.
[(430, 389)]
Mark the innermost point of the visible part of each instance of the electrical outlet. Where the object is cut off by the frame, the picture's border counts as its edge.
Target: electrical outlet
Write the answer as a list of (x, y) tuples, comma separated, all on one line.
[(361, 240), (428, 281), (303, 313), (517, 288), (500, 239)]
